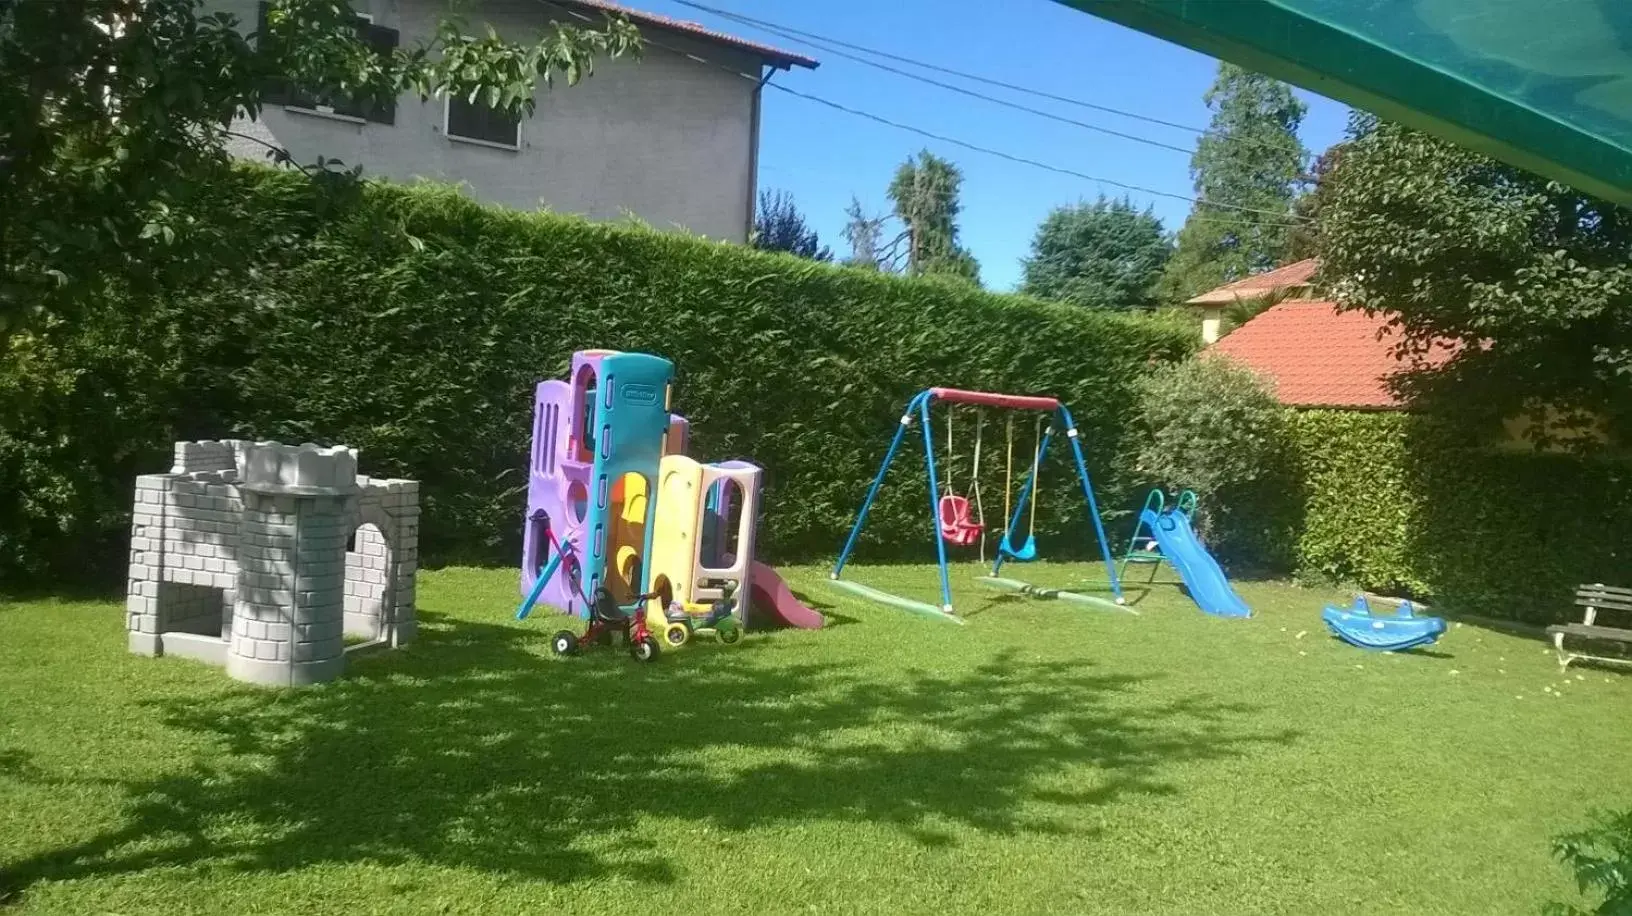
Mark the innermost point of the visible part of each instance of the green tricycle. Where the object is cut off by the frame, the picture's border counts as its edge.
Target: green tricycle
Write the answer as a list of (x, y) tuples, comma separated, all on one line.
[(683, 619)]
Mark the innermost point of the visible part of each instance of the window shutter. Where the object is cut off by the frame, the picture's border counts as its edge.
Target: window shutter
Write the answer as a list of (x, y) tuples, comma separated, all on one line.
[(275, 92), (384, 42), (381, 40), (479, 122)]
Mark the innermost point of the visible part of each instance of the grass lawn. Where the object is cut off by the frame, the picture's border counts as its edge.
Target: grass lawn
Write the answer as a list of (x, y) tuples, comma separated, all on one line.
[(1044, 758)]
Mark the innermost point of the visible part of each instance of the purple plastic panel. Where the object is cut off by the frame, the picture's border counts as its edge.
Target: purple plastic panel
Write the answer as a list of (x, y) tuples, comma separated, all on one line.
[(610, 402), (679, 439), (550, 480)]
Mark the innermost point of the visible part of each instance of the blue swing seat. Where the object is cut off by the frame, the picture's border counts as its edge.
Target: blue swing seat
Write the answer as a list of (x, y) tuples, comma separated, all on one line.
[(1025, 553), (1357, 626)]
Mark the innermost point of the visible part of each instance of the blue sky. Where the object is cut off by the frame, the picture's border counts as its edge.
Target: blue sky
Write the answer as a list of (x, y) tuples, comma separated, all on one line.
[(824, 156)]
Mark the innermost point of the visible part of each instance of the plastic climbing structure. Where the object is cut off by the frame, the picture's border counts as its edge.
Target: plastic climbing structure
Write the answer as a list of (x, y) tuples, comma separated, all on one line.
[(626, 531)]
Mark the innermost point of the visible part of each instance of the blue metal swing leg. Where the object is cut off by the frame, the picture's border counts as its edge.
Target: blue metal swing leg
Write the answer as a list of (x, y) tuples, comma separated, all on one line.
[(1093, 504), (878, 481), (934, 511), (918, 405)]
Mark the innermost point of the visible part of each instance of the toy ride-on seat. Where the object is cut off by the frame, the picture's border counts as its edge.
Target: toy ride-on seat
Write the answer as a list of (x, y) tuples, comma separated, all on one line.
[(956, 525), (1358, 626), (604, 608), (718, 616)]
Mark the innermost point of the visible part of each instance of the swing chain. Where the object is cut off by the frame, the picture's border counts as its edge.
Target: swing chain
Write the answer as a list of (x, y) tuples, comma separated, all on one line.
[(1008, 467), (1028, 493), (1036, 460), (980, 507)]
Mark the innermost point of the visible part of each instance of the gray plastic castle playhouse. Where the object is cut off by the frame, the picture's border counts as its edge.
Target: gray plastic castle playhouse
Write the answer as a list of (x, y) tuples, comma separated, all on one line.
[(263, 558)]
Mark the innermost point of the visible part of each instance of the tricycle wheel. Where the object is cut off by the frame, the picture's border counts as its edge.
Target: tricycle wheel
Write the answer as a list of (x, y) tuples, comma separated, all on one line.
[(564, 643), (676, 634), (643, 649), (727, 631)]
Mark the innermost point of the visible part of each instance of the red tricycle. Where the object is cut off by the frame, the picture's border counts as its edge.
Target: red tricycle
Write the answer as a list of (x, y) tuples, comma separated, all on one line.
[(607, 617)]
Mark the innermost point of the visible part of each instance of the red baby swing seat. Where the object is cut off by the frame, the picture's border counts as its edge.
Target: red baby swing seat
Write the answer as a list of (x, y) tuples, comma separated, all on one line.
[(956, 525)]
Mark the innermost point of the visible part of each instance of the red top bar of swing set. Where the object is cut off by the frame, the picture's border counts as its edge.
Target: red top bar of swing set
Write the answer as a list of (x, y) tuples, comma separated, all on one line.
[(993, 399)]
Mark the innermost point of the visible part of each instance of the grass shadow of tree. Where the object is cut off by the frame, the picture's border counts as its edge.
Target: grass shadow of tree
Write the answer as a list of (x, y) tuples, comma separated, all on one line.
[(472, 749)]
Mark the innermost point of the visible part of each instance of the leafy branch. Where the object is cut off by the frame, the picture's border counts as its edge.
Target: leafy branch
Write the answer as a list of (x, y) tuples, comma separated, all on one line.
[(113, 113)]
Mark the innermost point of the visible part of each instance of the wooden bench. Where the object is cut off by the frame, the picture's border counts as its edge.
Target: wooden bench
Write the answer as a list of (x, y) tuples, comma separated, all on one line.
[(1595, 599)]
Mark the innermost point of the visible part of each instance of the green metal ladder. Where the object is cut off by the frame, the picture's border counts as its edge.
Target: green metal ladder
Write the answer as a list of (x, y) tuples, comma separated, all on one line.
[(1156, 504)]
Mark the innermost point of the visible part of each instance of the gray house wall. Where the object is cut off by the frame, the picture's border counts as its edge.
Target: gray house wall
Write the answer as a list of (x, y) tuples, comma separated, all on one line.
[(664, 137)]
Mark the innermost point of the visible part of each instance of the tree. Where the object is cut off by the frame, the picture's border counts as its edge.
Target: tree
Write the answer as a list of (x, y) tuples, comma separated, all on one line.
[(924, 193), (1245, 308), (866, 237), (1303, 240), (1244, 170), (1104, 255), (1532, 279), (111, 111), (779, 226)]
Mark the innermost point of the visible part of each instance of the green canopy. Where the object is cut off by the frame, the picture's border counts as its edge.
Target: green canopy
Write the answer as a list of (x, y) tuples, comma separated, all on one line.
[(1542, 84)]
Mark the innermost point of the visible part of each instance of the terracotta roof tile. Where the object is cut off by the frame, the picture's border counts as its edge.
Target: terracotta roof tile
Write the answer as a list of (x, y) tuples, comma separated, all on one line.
[(1317, 356), (1298, 273), (772, 55)]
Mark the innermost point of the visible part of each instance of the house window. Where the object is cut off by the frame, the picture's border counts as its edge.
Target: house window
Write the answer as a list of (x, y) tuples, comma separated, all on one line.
[(478, 123), (337, 104)]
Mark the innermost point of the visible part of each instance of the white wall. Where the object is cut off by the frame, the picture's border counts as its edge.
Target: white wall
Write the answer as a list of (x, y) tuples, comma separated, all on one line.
[(664, 137)]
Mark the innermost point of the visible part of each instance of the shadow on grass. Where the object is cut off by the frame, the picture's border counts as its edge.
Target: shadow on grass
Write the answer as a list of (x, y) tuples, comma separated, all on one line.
[(471, 749), (830, 616), (813, 601), (1136, 594), (989, 601), (1515, 628), (833, 619)]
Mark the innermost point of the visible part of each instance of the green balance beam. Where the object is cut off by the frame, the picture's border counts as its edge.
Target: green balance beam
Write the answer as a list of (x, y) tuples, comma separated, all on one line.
[(1035, 591), (905, 604)]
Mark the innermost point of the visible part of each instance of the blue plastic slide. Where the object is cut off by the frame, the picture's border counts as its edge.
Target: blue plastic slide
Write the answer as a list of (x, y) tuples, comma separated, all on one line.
[(1357, 626), (1200, 572)]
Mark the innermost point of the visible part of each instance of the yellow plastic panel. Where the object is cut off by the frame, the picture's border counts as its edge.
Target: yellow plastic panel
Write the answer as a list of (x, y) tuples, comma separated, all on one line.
[(674, 540)]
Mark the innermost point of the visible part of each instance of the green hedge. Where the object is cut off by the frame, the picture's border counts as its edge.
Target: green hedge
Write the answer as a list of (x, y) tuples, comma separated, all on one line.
[(412, 324), (1399, 503)]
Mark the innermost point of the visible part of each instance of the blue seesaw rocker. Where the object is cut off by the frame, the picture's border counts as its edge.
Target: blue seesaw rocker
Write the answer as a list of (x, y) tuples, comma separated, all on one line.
[(1357, 626)]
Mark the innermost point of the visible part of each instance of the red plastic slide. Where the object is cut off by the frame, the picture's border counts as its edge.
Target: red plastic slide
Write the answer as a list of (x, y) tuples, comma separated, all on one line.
[(773, 600)]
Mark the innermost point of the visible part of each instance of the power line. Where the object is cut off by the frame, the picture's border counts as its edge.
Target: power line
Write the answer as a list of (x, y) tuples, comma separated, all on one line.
[(815, 40), (1061, 170), (958, 89), (1284, 219)]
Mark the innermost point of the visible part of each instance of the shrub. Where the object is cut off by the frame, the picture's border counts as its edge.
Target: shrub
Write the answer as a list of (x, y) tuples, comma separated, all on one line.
[(412, 324), (1213, 426), (1398, 502), (1358, 502), (1601, 859), (1388, 501)]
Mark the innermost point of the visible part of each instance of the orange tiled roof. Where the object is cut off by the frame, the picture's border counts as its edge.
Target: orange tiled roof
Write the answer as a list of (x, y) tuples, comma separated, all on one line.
[(1298, 273), (1317, 356), (772, 55)]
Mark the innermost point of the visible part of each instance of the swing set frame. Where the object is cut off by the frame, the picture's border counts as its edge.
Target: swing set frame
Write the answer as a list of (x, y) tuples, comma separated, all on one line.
[(918, 410)]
